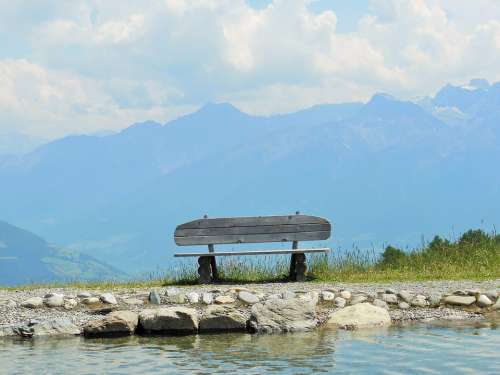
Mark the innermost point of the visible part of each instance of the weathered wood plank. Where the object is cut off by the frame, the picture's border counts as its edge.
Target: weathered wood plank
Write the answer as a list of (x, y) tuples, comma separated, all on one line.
[(252, 238), (261, 229), (252, 221), (255, 252)]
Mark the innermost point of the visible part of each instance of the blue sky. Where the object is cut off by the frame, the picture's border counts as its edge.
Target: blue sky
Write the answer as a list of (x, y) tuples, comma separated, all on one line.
[(86, 65)]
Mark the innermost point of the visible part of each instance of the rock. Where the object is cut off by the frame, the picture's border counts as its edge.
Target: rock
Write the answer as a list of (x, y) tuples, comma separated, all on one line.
[(70, 304), (90, 301), (179, 298), (496, 306), (133, 301), (390, 291), (419, 301), (54, 300), (287, 294), (171, 319), (117, 323), (339, 302), (405, 296), (404, 305), (379, 303), (358, 299), (327, 296), (84, 295), (483, 301), (389, 298), (491, 294), (193, 297), (222, 300), (345, 294), (247, 297), (207, 298), (460, 293), (283, 315), (7, 330), (154, 298), (170, 292), (459, 300), (33, 302), (361, 315), (222, 318), (53, 327), (108, 298), (434, 300), (473, 292), (310, 296)]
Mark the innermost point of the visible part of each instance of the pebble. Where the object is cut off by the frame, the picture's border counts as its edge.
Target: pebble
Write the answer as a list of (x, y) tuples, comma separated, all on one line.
[(389, 298), (483, 301), (434, 300), (419, 301), (170, 292), (90, 300), (223, 300), (247, 297), (405, 296), (345, 294), (327, 296), (404, 305), (154, 298), (33, 302), (193, 297), (84, 295), (207, 298), (379, 303), (70, 303), (108, 298), (339, 302)]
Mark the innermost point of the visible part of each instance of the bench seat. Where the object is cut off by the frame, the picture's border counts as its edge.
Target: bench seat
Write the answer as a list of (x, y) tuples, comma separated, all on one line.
[(254, 252)]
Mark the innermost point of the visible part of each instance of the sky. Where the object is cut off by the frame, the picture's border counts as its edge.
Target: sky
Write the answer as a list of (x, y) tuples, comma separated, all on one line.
[(84, 66)]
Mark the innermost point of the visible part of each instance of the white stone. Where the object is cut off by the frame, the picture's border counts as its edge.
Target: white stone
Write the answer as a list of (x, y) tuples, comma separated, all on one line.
[(177, 298), (419, 301), (496, 306), (483, 301), (247, 297), (339, 302), (405, 296), (404, 305), (84, 295), (170, 292), (154, 298), (33, 302), (310, 296), (207, 298), (491, 294), (193, 297), (327, 296), (379, 303), (361, 315), (54, 300), (389, 298), (70, 304), (222, 300), (108, 298), (345, 294), (90, 300), (459, 300)]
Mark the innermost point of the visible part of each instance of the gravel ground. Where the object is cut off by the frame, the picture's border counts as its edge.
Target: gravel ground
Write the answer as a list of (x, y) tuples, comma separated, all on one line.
[(14, 313)]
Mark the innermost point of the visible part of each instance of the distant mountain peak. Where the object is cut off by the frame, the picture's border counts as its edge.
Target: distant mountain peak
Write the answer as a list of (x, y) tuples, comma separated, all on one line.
[(219, 108), (145, 125)]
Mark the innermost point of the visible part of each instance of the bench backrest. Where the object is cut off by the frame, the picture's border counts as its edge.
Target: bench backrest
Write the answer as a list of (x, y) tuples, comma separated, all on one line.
[(256, 229)]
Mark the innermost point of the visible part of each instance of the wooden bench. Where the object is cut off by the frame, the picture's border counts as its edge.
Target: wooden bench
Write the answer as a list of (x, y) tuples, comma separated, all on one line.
[(259, 229)]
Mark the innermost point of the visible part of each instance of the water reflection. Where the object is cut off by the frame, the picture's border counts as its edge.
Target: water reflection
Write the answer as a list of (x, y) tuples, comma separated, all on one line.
[(426, 348)]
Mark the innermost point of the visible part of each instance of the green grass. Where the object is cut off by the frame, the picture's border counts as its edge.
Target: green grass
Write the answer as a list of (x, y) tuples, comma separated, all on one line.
[(474, 256)]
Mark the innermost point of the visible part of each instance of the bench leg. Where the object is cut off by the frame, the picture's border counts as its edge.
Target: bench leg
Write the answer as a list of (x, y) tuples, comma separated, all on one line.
[(298, 267), (204, 270)]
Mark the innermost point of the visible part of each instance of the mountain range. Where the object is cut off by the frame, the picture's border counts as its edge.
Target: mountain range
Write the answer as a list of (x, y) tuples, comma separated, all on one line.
[(26, 258), (383, 171)]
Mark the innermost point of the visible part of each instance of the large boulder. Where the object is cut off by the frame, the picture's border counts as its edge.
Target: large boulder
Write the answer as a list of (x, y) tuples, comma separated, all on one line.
[(283, 315), (176, 319), (361, 315), (117, 323), (53, 327), (222, 318)]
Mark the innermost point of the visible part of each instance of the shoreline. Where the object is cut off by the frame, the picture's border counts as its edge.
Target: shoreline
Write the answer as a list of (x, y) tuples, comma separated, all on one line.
[(220, 303)]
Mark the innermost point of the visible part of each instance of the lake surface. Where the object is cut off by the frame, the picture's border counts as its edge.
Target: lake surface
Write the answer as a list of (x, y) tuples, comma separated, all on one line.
[(420, 348)]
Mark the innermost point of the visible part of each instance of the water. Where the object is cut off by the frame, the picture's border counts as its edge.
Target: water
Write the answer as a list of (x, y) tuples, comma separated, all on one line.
[(427, 349)]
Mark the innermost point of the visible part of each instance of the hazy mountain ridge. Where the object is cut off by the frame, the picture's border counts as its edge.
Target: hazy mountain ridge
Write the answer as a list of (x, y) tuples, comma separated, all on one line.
[(27, 258), (387, 170)]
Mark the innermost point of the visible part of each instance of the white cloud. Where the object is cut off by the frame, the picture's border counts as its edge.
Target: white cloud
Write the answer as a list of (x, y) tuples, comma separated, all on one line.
[(83, 65)]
